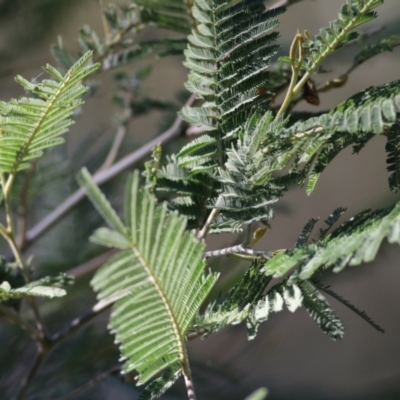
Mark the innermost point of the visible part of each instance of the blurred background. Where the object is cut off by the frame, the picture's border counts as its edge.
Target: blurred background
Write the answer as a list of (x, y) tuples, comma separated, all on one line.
[(290, 356)]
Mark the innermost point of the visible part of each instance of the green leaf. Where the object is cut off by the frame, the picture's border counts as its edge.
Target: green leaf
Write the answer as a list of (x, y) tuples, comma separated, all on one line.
[(320, 310), (345, 302), (352, 14), (161, 278), (248, 186), (371, 50), (30, 125), (48, 286), (43, 291), (393, 157), (259, 394), (228, 56), (316, 141), (101, 203), (351, 243), (157, 388), (166, 14), (246, 302)]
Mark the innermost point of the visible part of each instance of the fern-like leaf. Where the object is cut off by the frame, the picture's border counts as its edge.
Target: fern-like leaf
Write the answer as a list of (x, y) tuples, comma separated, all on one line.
[(49, 286), (352, 14), (305, 233), (317, 140), (157, 388), (246, 302), (350, 244), (228, 54), (167, 14), (345, 302), (320, 310), (192, 188), (248, 188), (393, 157), (372, 50), (330, 221), (159, 275), (31, 125)]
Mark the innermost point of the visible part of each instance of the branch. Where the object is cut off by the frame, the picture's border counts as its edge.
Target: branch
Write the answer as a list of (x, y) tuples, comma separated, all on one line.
[(203, 232), (27, 382), (238, 249), (95, 381), (13, 316), (116, 145), (79, 322), (102, 177), (47, 344), (24, 204), (90, 266), (119, 136), (281, 3)]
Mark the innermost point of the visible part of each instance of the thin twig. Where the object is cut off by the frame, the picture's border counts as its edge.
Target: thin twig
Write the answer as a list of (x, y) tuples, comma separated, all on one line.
[(36, 366), (119, 137), (102, 177), (38, 318), (282, 3), (191, 394), (238, 249), (13, 316), (90, 266), (46, 345), (79, 322), (93, 382), (9, 234), (116, 145), (203, 231), (23, 204), (247, 235)]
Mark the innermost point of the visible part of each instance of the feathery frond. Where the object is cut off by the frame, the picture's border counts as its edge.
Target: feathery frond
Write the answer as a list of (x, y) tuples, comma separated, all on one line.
[(320, 310), (46, 287), (371, 50), (316, 141), (166, 14), (158, 387), (120, 24), (31, 125), (248, 187), (352, 307), (352, 14), (350, 244), (158, 275), (228, 56), (393, 157), (247, 302), (191, 187)]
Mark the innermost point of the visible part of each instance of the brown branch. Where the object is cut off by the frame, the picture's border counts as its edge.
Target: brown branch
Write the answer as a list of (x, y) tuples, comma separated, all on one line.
[(281, 3), (47, 344), (36, 366), (24, 204), (116, 145), (237, 249), (13, 316), (119, 136), (93, 382), (79, 322), (90, 266), (204, 231)]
